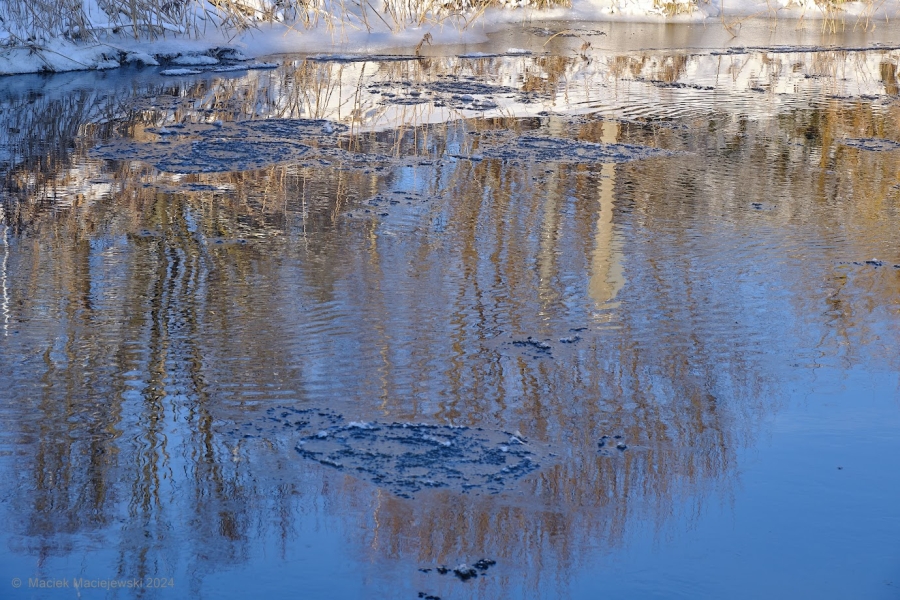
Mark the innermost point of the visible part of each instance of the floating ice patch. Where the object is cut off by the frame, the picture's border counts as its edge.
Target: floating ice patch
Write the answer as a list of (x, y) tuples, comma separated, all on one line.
[(408, 457), (551, 149), (230, 154), (568, 33), (223, 147), (674, 84), (177, 72), (460, 86), (546, 348), (535, 344), (247, 67), (467, 102), (401, 209), (463, 93), (510, 52), (363, 57), (206, 155), (288, 129), (872, 144)]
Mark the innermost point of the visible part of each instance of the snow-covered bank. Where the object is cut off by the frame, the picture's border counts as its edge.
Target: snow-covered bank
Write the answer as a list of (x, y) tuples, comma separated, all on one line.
[(199, 34)]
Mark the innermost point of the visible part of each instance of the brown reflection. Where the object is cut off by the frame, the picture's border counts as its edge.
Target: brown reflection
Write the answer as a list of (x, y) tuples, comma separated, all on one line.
[(607, 273), (889, 77), (160, 315)]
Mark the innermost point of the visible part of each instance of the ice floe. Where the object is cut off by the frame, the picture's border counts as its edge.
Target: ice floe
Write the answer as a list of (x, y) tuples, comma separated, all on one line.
[(409, 457)]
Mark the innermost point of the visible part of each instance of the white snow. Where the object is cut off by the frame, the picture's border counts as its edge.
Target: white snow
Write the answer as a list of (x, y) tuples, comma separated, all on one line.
[(246, 67), (194, 60), (57, 56), (332, 26), (142, 58), (180, 72)]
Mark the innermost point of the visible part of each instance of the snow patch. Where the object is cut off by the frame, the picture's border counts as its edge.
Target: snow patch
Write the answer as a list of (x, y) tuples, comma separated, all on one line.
[(194, 60), (350, 32), (247, 67), (141, 58), (58, 56), (176, 72)]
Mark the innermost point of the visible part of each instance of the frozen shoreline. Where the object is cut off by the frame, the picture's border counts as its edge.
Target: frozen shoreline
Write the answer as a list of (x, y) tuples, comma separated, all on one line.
[(219, 47)]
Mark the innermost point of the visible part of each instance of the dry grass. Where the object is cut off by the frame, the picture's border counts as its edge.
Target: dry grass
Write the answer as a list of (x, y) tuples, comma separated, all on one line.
[(670, 8), (42, 20), (34, 21), (49, 17)]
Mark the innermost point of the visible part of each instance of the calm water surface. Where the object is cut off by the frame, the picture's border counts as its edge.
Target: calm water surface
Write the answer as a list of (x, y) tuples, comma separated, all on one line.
[(696, 250)]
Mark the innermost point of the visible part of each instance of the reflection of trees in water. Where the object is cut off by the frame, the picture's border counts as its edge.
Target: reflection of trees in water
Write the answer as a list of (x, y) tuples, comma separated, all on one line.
[(124, 368), (182, 333), (41, 134), (793, 181), (153, 343)]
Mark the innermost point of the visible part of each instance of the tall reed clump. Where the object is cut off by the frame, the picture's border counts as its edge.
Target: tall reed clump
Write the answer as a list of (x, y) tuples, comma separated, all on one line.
[(31, 22), (40, 20), (670, 8)]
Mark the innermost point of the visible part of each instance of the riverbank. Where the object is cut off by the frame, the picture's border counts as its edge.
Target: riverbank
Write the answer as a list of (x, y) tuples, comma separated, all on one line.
[(213, 37)]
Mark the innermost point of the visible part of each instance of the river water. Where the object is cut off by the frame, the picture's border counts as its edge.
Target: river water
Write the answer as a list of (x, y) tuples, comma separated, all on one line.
[(615, 314)]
